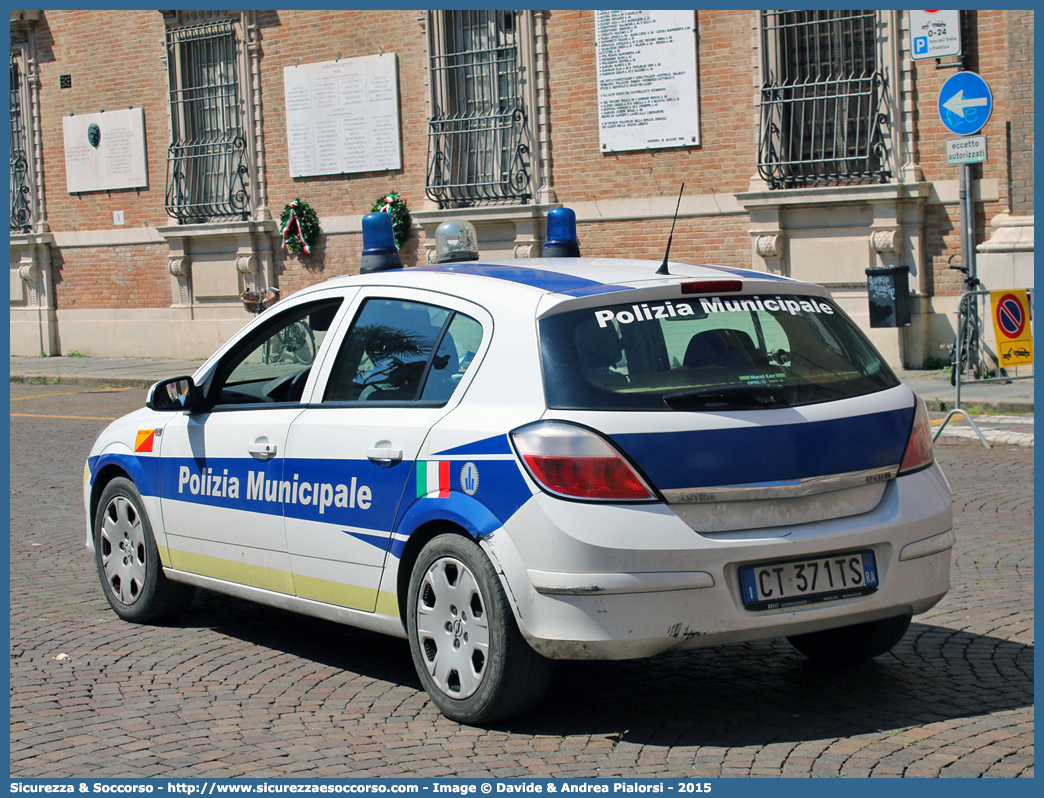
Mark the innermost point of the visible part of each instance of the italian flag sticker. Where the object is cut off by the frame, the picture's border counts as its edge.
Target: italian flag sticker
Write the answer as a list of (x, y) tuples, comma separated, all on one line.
[(433, 477)]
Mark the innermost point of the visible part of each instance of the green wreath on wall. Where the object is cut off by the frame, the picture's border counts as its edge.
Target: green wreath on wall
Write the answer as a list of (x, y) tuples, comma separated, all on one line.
[(395, 206), (299, 227)]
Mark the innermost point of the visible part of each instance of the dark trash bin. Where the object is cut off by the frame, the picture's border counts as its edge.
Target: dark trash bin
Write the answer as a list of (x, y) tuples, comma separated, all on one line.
[(888, 291)]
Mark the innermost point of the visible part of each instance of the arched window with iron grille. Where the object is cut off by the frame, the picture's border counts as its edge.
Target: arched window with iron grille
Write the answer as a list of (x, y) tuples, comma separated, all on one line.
[(478, 135), (821, 115), (206, 163), (21, 191)]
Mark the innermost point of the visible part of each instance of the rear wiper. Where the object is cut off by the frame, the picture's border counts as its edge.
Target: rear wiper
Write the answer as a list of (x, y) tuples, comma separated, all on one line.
[(731, 395)]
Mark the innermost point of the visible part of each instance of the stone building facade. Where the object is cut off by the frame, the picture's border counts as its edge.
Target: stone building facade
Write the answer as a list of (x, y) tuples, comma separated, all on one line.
[(155, 270)]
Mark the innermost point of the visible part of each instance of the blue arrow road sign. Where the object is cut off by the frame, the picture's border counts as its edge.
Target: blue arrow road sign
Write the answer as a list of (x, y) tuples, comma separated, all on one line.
[(965, 103)]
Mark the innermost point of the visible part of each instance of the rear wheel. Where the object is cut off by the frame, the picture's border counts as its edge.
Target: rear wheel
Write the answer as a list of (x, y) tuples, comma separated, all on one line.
[(968, 335), (849, 644), (466, 646), (128, 560)]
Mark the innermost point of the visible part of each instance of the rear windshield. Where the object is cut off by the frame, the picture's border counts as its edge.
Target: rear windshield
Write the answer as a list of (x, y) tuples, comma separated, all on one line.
[(707, 353)]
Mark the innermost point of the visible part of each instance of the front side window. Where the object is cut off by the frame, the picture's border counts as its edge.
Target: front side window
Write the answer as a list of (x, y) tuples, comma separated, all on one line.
[(822, 119), (478, 150), (709, 353), (402, 351), (206, 162), (272, 364)]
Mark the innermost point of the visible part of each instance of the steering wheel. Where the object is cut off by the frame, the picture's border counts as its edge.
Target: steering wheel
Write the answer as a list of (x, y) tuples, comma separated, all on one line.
[(287, 388), (297, 384)]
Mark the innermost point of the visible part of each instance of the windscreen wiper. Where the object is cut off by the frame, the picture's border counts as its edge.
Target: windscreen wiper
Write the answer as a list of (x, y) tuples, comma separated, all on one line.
[(728, 395)]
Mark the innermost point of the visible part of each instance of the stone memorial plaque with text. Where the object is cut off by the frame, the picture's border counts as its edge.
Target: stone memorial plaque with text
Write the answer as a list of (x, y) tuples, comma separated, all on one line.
[(343, 116), (105, 151), (647, 87)]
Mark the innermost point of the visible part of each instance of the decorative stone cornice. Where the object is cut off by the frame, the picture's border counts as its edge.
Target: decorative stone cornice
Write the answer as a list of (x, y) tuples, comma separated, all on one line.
[(885, 192), (214, 229)]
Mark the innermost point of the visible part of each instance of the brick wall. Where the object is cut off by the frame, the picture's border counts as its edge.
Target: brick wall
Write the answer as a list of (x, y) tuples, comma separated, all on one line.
[(111, 277), (115, 59), (727, 156), (723, 240), (985, 35), (353, 34)]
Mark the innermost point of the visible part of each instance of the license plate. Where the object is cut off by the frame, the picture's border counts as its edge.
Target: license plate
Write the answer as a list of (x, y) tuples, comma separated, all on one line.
[(778, 585)]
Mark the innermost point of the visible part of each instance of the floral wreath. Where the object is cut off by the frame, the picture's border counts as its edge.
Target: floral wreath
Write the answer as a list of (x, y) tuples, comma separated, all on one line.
[(395, 206), (299, 227)]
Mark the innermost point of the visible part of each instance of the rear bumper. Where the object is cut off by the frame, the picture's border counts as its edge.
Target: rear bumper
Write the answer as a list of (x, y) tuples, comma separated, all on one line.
[(641, 582)]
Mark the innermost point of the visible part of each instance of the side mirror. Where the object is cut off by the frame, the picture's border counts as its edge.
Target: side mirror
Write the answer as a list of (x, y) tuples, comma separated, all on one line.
[(177, 393)]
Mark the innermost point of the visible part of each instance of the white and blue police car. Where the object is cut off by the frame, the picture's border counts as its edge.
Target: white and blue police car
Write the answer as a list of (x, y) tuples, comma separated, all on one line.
[(514, 462)]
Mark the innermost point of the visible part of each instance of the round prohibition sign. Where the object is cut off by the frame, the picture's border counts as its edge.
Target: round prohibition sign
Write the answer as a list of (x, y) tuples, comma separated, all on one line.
[(1011, 316)]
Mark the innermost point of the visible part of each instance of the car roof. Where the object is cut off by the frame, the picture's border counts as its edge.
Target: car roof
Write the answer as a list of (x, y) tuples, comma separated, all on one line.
[(567, 277)]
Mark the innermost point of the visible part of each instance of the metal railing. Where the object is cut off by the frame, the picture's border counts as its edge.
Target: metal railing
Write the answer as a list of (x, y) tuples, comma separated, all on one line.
[(21, 192), (970, 347), (207, 174), (821, 113)]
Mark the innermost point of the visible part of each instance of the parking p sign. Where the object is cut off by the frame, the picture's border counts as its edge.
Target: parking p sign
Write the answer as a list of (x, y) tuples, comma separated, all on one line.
[(935, 34)]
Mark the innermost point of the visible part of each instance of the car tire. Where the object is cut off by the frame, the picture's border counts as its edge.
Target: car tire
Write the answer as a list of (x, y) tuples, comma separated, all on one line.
[(128, 561), (469, 654), (850, 644)]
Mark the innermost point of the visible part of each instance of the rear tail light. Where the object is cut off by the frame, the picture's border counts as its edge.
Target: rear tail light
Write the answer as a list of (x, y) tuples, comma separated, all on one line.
[(577, 463), (919, 451)]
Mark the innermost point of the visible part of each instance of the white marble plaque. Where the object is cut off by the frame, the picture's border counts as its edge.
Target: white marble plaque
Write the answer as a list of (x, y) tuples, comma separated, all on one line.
[(343, 116), (105, 151), (647, 88)]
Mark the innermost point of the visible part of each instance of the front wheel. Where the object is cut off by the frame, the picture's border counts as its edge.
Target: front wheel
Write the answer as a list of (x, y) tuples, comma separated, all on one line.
[(850, 644), (468, 651), (128, 560)]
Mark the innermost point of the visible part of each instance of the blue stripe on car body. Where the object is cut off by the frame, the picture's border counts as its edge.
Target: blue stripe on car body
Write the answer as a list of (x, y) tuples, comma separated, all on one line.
[(554, 282), (763, 454), (355, 493)]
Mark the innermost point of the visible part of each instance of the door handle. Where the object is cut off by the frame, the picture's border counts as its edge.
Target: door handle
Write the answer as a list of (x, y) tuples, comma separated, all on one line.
[(382, 456), (262, 451)]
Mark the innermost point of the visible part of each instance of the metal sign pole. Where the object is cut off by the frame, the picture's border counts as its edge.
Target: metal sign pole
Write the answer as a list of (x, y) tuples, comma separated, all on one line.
[(968, 213), (962, 173)]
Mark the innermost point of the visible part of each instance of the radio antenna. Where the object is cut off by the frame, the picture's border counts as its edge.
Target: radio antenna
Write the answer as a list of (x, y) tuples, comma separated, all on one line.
[(663, 266)]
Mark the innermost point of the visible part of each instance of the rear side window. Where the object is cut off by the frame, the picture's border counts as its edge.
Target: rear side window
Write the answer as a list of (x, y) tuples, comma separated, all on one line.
[(707, 353), (400, 351)]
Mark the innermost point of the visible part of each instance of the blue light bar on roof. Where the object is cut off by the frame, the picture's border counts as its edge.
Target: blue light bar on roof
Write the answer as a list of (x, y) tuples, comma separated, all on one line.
[(379, 252), (561, 240)]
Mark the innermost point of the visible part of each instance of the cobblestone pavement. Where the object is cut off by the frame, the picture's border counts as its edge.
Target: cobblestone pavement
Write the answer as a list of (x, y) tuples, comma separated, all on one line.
[(232, 689)]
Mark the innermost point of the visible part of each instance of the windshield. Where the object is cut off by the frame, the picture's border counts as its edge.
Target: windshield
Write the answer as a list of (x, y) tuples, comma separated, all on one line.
[(708, 352)]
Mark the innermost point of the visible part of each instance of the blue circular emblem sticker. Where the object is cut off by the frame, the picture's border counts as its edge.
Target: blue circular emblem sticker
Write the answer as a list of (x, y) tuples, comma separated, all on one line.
[(469, 479)]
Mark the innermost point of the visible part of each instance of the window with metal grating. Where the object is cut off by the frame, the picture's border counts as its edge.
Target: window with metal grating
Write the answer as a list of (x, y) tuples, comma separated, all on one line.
[(21, 205), (206, 162), (821, 120), (477, 137)]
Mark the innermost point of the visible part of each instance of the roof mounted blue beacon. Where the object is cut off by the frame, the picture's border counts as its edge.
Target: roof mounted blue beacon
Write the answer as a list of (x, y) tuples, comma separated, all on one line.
[(561, 234), (379, 253)]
